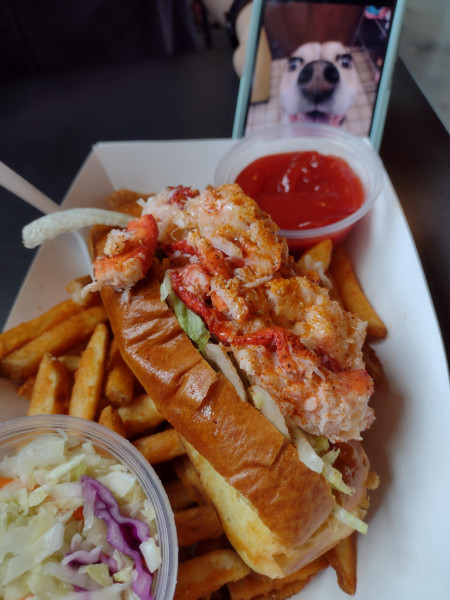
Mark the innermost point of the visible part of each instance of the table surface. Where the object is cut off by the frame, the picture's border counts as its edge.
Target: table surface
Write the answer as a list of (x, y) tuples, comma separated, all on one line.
[(49, 124)]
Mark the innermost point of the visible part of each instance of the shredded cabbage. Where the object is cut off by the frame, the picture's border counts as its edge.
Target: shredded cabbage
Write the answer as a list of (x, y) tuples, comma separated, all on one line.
[(124, 533), (49, 550), (264, 402), (219, 358), (51, 226), (349, 519), (191, 323), (306, 452), (334, 477), (308, 455), (308, 448)]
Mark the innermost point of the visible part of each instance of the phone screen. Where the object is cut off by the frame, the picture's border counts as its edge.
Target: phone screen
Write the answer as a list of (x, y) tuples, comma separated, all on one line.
[(322, 61)]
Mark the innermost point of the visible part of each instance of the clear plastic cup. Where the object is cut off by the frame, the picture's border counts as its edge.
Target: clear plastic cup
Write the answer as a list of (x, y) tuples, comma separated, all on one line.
[(303, 137), (16, 433)]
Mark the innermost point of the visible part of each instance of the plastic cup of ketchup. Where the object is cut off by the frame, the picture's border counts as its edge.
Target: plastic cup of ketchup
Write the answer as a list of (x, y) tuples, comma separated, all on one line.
[(316, 181)]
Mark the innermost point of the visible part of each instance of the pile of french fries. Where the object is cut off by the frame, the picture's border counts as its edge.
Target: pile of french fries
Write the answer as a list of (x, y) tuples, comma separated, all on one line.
[(66, 361)]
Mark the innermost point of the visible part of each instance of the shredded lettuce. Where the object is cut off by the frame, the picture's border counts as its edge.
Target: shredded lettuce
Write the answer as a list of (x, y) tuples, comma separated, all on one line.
[(331, 456), (319, 442), (349, 519), (334, 478), (191, 323), (219, 358), (264, 402), (306, 452), (309, 456), (308, 447)]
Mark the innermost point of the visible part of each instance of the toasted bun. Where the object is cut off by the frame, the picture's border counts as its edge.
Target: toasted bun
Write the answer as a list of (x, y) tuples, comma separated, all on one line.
[(275, 511), (284, 501), (259, 547)]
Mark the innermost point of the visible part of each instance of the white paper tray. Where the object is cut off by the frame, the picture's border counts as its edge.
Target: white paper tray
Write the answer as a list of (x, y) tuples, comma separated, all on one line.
[(405, 554)]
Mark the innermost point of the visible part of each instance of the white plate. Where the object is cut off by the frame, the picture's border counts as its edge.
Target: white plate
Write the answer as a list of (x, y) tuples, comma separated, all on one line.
[(405, 554)]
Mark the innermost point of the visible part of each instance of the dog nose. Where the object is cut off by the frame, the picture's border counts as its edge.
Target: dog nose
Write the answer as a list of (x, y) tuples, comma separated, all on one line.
[(318, 79)]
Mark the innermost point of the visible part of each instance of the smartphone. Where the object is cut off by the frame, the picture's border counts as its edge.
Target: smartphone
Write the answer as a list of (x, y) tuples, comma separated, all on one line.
[(319, 60)]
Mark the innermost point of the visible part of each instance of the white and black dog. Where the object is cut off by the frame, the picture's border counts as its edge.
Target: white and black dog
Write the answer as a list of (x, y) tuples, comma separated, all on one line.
[(318, 84)]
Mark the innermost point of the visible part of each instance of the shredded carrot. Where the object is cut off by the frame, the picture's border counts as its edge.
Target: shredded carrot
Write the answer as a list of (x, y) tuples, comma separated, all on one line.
[(5, 481), (78, 514)]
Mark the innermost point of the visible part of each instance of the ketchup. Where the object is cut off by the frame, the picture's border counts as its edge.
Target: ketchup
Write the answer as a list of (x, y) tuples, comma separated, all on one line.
[(303, 190)]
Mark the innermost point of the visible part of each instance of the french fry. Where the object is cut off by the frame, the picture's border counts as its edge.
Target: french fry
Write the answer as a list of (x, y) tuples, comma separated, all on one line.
[(372, 482), (180, 497), (14, 338), (317, 258), (256, 587), (343, 560), (71, 362), (110, 418), (374, 366), (120, 380), (87, 387), (196, 524), (352, 295), (140, 416), (97, 239), (26, 389), (188, 475), (218, 543), (160, 447), (75, 289), (333, 289), (126, 201), (51, 389), (67, 334), (205, 574)]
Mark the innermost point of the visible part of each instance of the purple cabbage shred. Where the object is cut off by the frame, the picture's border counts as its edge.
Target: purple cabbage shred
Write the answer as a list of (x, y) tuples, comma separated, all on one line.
[(125, 534), (91, 557)]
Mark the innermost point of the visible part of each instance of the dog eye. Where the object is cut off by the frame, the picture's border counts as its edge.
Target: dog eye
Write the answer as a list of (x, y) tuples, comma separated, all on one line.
[(345, 60), (294, 61)]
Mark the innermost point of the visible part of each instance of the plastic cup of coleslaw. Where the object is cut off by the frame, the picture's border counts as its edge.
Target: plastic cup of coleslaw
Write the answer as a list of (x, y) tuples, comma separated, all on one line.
[(64, 450), (326, 140)]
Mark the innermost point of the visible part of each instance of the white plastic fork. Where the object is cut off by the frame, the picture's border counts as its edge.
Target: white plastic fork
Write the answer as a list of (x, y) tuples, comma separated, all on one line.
[(22, 188)]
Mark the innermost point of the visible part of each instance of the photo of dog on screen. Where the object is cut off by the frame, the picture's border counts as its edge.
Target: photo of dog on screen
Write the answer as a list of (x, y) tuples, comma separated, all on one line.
[(319, 83), (325, 65)]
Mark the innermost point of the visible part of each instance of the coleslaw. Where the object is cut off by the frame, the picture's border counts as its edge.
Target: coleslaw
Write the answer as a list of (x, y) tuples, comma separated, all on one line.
[(74, 524)]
